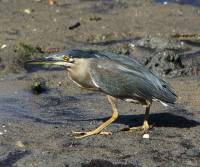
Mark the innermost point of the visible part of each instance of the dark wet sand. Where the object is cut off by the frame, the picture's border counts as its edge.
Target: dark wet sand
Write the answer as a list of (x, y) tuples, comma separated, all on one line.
[(35, 129), (38, 128)]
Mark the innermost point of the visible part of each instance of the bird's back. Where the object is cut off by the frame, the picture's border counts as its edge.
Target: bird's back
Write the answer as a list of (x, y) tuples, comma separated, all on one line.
[(121, 75), (136, 78)]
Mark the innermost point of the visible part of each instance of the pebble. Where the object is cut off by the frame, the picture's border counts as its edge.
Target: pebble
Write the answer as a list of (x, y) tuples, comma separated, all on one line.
[(3, 46), (19, 144), (59, 83), (1, 133), (27, 11), (145, 136), (52, 2), (132, 45)]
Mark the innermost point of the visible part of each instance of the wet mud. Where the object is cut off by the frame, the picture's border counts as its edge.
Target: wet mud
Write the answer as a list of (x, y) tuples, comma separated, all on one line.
[(36, 126), (36, 129)]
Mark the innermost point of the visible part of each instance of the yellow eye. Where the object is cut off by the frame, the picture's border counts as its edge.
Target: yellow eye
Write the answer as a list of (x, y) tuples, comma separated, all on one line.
[(66, 58)]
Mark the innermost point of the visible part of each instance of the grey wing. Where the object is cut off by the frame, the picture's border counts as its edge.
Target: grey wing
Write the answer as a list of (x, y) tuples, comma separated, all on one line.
[(123, 82)]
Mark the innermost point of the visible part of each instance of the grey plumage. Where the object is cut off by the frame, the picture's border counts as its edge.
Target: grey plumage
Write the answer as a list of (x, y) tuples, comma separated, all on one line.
[(123, 82), (123, 77), (118, 76)]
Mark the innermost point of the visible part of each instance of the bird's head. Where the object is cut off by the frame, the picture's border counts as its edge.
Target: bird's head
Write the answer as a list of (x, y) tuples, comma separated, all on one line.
[(54, 59), (66, 59)]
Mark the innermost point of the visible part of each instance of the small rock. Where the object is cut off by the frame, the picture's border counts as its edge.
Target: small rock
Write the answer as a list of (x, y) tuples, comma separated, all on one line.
[(1, 133), (19, 144), (145, 136), (59, 83), (95, 18), (38, 86), (27, 11), (132, 45), (3, 46), (52, 2)]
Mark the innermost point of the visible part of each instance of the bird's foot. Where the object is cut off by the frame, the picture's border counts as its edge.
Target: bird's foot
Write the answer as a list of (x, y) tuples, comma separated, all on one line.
[(79, 135), (144, 128)]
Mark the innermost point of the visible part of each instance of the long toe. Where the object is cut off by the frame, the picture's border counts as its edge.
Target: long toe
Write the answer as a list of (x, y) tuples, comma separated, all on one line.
[(143, 128), (79, 135)]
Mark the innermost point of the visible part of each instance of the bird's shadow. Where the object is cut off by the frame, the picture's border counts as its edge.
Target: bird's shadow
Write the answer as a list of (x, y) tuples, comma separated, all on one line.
[(156, 119), (164, 119)]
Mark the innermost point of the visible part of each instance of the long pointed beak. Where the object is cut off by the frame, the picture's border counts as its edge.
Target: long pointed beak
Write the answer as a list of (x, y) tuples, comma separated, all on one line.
[(48, 63)]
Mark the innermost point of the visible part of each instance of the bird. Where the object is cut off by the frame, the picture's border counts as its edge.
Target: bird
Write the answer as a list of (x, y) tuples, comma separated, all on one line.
[(115, 75)]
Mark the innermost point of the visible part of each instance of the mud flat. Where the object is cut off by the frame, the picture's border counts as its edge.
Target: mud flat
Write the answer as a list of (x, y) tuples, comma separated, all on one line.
[(35, 129)]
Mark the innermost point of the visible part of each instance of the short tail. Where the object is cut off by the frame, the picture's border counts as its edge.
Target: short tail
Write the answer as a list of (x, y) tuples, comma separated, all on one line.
[(166, 95)]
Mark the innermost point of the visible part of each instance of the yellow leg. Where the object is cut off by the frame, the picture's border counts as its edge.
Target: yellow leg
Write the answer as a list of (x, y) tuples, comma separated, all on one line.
[(113, 102), (145, 127)]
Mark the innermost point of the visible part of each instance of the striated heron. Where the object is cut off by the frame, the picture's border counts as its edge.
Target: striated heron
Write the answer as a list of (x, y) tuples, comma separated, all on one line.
[(117, 76)]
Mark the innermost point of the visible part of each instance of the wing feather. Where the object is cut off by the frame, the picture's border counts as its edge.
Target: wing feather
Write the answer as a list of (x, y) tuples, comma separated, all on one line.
[(123, 81), (123, 76)]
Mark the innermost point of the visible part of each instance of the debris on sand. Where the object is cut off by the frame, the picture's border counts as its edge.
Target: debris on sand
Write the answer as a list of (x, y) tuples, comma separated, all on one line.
[(3, 46), (27, 11), (99, 162), (38, 86), (164, 56), (15, 57), (25, 52), (19, 144), (191, 62), (145, 136), (95, 18), (164, 62), (74, 25), (52, 2)]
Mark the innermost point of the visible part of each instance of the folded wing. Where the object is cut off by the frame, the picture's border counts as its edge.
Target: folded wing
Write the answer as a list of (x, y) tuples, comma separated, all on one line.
[(126, 81)]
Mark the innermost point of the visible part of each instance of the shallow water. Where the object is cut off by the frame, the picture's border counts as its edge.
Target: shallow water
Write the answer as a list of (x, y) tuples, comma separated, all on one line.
[(195, 3), (47, 108)]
